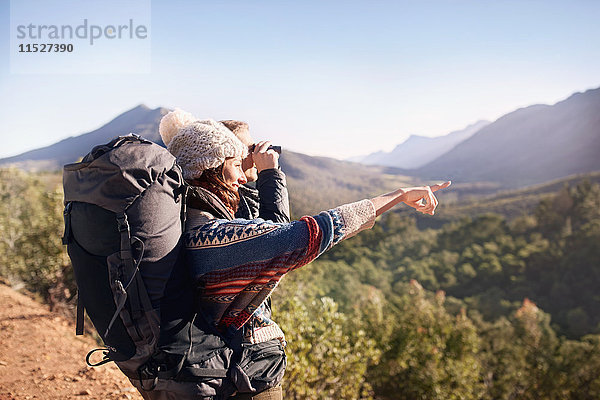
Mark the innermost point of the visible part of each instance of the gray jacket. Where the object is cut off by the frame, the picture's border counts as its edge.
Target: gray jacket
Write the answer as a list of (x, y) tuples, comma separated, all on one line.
[(269, 200)]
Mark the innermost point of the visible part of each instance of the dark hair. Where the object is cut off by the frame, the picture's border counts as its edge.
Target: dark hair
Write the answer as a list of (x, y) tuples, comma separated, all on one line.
[(212, 179)]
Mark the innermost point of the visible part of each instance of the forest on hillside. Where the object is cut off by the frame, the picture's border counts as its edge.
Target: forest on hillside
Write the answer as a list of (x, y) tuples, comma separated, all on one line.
[(481, 307)]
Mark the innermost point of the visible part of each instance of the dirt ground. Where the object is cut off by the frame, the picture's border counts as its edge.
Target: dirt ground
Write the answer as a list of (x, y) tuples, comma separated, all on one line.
[(41, 358)]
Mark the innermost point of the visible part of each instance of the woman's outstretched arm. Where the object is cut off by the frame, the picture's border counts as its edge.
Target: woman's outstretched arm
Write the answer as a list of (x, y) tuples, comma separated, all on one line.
[(420, 198), (238, 263)]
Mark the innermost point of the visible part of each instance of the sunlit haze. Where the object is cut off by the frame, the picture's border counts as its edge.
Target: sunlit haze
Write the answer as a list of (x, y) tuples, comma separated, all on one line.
[(324, 78)]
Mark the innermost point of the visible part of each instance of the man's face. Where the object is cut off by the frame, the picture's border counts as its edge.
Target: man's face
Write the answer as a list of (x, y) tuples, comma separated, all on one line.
[(248, 163)]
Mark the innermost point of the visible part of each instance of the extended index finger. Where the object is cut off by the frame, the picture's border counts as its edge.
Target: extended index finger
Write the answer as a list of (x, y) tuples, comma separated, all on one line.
[(440, 186)]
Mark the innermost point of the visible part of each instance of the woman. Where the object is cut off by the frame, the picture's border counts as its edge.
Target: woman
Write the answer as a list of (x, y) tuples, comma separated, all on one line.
[(234, 265)]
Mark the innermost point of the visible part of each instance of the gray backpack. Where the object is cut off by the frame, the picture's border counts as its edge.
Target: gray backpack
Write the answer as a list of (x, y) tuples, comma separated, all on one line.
[(124, 204)]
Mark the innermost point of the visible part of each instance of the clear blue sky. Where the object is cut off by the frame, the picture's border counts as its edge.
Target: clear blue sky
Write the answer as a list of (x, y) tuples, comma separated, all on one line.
[(335, 78)]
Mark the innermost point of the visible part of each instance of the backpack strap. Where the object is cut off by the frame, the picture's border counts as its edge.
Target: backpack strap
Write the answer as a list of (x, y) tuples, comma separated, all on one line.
[(127, 258), (139, 302), (125, 233), (66, 239), (194, 374), (80, 316), (181, 194)]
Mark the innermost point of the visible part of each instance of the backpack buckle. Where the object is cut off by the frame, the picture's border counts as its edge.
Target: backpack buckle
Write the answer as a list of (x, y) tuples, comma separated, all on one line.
[(122, 223), (144, 372)]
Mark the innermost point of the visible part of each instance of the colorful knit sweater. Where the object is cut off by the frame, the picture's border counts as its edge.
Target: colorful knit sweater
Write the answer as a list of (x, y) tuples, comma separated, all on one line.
[(236, 264)]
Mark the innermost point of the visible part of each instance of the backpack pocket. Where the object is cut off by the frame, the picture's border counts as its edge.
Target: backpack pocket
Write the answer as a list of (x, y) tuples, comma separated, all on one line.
[(213, 367), (90, 272), (133, 306), (261, 366)]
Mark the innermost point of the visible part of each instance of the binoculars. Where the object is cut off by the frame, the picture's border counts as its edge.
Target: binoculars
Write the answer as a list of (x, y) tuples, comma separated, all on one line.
[(276, 149)]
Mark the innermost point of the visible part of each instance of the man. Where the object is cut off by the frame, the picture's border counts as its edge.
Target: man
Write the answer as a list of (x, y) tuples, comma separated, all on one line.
[(266, 197)]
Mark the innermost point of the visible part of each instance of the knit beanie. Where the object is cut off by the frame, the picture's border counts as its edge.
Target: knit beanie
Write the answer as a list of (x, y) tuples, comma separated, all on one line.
[(198, 144)]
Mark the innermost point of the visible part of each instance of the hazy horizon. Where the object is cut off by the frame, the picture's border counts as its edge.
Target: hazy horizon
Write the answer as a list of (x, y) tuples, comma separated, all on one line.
[(334, 79)]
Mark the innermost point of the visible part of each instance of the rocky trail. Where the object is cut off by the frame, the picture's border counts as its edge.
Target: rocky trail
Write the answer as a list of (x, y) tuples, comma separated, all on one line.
[(41, 358)]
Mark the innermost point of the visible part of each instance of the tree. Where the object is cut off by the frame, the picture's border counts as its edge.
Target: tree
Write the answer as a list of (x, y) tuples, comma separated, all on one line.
[(432, 354), (328, 352), (31, 225)]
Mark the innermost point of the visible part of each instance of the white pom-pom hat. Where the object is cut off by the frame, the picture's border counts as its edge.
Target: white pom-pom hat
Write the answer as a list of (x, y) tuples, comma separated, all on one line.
[(171, 123), (198, 144)]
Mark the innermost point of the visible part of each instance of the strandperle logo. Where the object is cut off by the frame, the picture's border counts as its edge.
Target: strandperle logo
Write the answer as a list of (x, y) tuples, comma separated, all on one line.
[(83, 31)]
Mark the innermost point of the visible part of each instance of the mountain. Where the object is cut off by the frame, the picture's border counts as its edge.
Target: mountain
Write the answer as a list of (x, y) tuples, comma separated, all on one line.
[(528, 146), (465, 200), (320, 183), (532, 145), (315, 183), (417, 151), (141, 120)]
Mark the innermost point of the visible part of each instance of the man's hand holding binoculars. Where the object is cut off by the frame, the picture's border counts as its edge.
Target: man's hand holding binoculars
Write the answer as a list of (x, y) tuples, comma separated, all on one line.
[(263, 156)]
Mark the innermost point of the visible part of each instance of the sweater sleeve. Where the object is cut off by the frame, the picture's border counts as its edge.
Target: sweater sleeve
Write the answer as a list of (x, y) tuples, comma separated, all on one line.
[(237, 264)]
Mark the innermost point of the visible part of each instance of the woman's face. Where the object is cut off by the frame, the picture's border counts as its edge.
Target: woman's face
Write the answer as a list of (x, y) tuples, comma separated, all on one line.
[(233, 174)]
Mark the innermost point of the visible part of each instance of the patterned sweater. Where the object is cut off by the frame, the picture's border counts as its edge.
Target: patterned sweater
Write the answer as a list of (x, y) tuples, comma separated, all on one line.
[(236, 264)]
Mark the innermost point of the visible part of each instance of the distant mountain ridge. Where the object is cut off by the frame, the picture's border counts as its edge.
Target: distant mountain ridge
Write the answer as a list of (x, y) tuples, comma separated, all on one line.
[(531, 145), (315, 183), (321, 183), (141, 120), (417, 150)]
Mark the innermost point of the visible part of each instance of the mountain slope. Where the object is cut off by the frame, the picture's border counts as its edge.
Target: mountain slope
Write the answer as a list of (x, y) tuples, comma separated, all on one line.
[(315, 183), (141, 120), (528, 146), (417, 151), (320, 183), (510, 204), (42, 358)]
